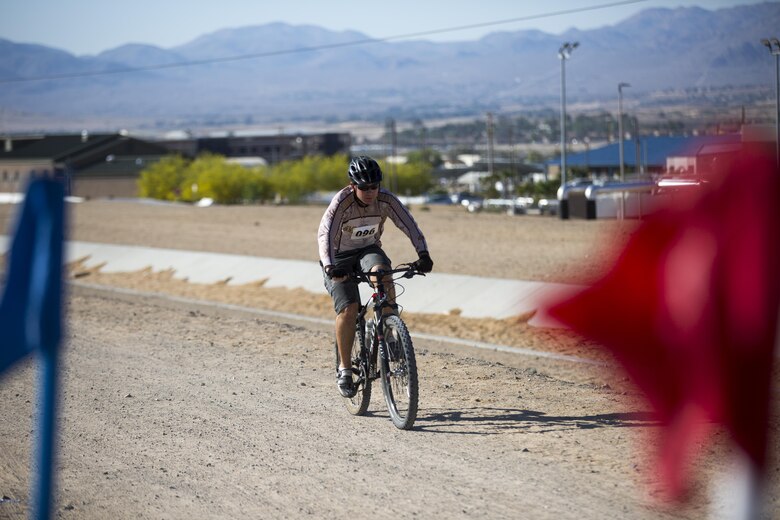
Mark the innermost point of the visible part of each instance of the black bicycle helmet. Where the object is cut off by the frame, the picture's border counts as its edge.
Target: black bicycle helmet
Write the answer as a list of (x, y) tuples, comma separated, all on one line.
[(364, 170)]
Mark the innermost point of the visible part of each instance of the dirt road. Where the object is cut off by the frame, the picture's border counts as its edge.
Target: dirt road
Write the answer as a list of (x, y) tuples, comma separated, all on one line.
[(176, 409)]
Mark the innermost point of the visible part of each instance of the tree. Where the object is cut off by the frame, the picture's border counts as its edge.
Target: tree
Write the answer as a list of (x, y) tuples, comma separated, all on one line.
[(294, 180), (427, 156), (539, 190), (413, 178), (211, 176), (534, 157), (163, 179), (208, 176)]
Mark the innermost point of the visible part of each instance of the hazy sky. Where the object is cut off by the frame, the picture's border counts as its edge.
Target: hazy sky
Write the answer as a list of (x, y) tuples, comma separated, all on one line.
[(91, 26)]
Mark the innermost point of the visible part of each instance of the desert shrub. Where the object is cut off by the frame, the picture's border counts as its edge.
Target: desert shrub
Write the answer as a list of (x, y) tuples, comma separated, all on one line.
[(226, 183), (174, 178), (163, 179), (414, 178), (294, 180), (208, 176)]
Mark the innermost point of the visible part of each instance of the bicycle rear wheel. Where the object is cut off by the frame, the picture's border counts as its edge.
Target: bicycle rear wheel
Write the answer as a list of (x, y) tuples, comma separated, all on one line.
[(399, 374), (358, 404)]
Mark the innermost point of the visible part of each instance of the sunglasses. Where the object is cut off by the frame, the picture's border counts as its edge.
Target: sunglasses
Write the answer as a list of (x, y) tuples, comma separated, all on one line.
[(368, 187)]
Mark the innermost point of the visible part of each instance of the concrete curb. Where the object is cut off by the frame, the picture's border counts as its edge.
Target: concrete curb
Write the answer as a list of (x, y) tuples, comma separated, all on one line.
[(437, 293)]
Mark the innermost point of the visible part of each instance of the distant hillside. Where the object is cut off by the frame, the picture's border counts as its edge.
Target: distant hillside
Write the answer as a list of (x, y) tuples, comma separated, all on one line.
[(657, 49)]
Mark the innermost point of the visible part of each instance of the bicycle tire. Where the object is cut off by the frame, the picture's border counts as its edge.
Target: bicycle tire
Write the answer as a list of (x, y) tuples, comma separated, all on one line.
[(399, 374), (358, 404)]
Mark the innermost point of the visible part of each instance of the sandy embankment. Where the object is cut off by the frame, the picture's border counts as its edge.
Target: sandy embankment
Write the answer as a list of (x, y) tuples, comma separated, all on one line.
[(491, 245)]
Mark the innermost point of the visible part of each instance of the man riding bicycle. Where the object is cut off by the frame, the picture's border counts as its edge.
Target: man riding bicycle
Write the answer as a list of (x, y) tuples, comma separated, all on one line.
[(349, 239)]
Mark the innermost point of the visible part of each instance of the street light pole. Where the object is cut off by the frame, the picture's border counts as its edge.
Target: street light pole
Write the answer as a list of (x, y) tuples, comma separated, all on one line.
[(620, 129), (563, 54), (774, 47), (621, 135)]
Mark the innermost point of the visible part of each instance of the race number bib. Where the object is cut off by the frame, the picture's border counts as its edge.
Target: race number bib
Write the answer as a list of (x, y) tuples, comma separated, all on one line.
[(363, 232)]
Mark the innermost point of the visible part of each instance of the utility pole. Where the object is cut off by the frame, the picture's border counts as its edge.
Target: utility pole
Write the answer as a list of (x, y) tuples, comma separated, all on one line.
[(419, 128), (391, 158), (564, 53), (621, 136), (774, 48), (512, 154), (637, 148), (490, 142), (621, 133)]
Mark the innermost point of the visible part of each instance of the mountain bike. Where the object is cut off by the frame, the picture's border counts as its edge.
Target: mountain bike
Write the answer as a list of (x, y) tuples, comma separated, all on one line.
[(383, 350)]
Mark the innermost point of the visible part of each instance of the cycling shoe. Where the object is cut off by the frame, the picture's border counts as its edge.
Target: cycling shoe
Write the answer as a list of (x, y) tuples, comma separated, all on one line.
[(345, 383)]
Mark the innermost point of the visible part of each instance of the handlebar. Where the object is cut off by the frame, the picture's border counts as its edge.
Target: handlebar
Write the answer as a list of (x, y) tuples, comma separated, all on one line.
[(408, 270)]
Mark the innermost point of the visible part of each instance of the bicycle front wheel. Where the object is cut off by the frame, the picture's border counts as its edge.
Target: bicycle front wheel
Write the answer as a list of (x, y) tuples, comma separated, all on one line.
[(399, 374), (358, 404)]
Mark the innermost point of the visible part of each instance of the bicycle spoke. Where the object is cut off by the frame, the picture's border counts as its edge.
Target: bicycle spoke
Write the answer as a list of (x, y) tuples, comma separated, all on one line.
[(358, 404), (399, 380)]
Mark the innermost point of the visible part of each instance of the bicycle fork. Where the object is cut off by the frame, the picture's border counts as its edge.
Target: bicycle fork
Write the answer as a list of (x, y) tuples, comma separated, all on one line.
[(375, 336)]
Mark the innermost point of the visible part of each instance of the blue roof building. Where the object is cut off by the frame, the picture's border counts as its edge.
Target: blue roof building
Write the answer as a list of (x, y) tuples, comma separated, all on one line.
[(653, 153)]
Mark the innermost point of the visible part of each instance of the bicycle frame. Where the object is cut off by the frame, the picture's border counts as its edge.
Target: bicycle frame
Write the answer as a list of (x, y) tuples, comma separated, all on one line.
[(375, 338)]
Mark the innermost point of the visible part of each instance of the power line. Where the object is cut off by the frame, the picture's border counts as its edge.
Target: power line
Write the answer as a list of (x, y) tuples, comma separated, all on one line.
[(298, 50)]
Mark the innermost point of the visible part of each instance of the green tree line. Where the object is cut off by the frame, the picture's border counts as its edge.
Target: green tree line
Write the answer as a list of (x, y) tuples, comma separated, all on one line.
[(175, 178)]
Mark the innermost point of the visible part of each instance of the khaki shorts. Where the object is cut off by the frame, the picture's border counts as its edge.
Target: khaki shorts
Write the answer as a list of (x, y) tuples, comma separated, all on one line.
[(346, 292)]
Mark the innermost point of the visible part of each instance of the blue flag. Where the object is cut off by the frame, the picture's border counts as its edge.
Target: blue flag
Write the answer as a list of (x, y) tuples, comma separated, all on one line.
[(31, 308)]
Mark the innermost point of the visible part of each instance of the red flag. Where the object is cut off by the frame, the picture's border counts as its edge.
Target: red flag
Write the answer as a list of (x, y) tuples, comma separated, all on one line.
[(690, 310)]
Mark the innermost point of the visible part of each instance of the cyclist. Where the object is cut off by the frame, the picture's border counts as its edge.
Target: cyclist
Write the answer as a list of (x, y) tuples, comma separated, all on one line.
[(349, 238)]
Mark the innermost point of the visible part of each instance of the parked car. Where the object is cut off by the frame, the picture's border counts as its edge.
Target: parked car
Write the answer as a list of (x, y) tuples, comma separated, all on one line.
[(471, 201), (438, 198), (548, 206), (460, 197), (472, 206), (516, 206)]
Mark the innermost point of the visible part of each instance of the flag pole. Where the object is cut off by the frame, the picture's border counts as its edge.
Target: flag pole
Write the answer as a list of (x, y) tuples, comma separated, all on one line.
[(47, 432), (43, 324)]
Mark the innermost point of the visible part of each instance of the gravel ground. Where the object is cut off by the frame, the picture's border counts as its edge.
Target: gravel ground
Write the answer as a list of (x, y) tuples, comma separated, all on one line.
[(192, 409)]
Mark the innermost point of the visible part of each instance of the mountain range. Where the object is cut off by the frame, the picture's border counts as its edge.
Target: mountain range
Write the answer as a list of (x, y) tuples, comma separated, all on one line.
[(279, 72)]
